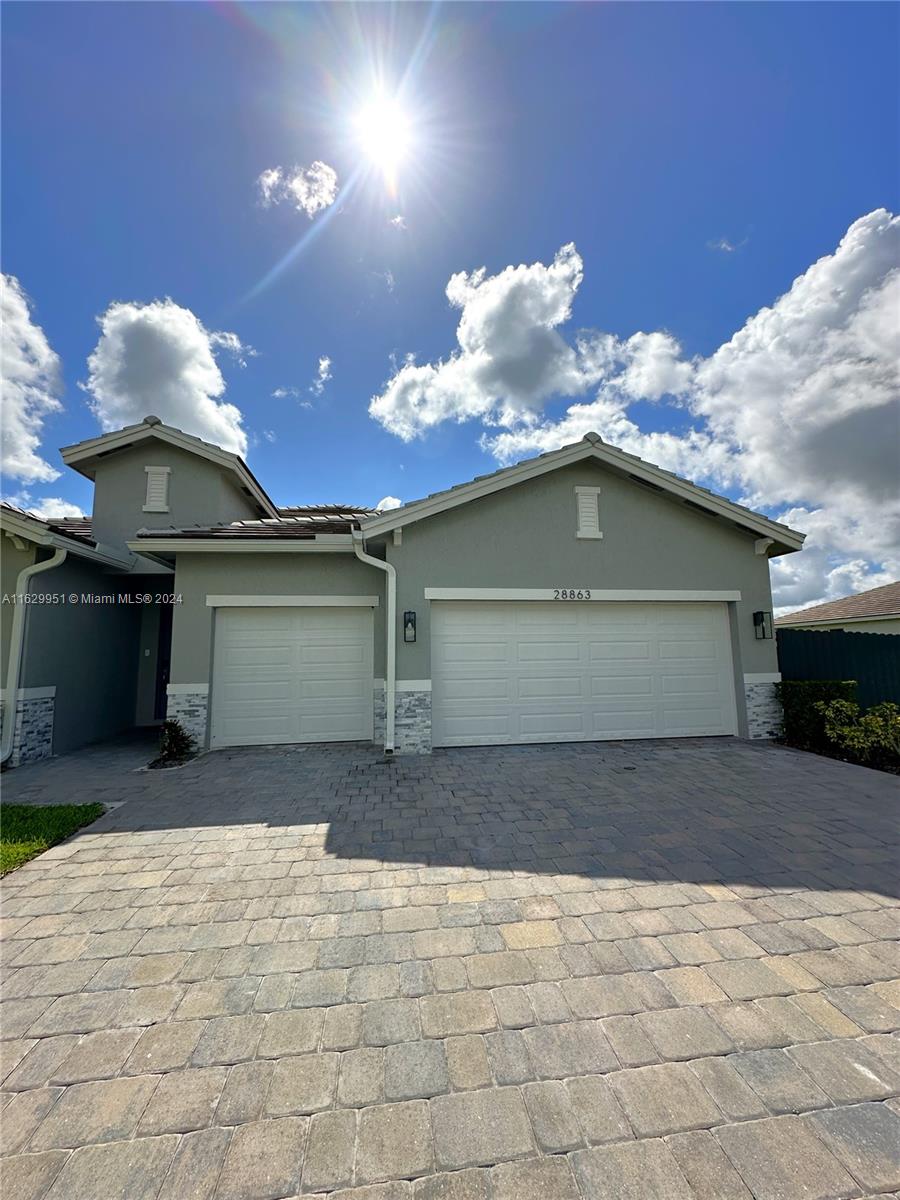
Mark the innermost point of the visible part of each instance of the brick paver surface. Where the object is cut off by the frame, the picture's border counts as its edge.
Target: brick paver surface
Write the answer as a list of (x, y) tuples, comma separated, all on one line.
[(563, 972)]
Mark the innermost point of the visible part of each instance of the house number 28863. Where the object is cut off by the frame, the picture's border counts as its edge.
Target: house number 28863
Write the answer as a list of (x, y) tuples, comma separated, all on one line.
[(571, 594)]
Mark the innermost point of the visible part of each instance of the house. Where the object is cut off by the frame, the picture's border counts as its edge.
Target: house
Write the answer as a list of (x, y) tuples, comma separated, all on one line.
[(875, 611), (580, 595)]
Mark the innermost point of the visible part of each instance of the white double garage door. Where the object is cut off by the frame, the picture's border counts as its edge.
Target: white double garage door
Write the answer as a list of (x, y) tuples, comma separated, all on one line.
[(502, 672), (511, 672)]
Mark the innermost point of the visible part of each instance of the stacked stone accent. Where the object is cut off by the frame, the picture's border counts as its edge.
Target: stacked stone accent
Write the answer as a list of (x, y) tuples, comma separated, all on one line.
[(764, 716), (412, 722), (191, 709), (33, 735)]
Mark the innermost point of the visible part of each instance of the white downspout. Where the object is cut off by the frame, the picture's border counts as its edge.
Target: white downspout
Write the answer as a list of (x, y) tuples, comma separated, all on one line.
[(17, 645), (390, 680)]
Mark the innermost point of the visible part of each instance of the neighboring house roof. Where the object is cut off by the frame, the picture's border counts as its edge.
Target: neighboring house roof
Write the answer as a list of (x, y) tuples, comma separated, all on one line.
[(70, 533), (84, 456), (773, 535), (865, 606)]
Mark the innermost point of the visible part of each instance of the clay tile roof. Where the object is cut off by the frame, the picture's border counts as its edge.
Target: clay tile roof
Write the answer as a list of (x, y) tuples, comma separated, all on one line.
[(306, 526), (879, 602), (78, 528)]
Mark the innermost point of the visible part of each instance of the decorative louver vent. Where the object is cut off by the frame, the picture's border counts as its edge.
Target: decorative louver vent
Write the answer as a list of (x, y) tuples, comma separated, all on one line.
[(157, 489), (587, 505)]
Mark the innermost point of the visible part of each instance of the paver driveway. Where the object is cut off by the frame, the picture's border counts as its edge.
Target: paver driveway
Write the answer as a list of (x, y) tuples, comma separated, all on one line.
[(632, 970)]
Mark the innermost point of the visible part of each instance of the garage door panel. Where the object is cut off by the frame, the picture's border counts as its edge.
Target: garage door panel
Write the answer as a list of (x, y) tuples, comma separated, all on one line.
[(472, 691), (475, 729), (691, 685), (579, 670), (332, 654), (616, 686), (617, 651), (619, 723), (550, 687), (689, 651), (554, 723), (292, 675), (547, 652), (475, 651)]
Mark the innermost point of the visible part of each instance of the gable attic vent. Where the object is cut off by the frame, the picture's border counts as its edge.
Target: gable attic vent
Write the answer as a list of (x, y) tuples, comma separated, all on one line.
[(157, 489), (587, 508)]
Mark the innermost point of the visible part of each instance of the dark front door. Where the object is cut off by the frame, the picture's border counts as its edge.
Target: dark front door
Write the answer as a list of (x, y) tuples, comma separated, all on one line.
[(163, 661)]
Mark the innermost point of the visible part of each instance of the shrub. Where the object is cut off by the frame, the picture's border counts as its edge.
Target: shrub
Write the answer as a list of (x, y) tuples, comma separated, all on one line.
[(804, 723), (871, 737), (175, 742)]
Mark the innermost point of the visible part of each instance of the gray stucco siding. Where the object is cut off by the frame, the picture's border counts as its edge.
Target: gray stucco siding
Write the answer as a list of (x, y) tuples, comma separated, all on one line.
[(89, 652), (525, 537), (200, 493), (199, 575), (12, 561)]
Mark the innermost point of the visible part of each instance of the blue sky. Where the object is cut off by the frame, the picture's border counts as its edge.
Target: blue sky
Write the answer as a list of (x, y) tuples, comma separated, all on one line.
[(700, 158)]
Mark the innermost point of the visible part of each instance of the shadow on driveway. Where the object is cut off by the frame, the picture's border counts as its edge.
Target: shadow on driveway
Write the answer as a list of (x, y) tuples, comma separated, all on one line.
[(694, 810)]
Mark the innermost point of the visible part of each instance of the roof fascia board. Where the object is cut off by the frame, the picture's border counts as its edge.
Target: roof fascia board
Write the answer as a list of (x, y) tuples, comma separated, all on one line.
[(719, 506), (108, 442), (324, 544)]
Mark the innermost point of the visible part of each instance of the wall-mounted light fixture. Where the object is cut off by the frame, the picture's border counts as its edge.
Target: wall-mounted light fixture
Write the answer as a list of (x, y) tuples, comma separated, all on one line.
[(762, 625), (409, 627)]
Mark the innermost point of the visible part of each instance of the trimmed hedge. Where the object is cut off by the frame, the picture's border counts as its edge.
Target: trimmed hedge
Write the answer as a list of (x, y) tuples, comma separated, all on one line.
[(804, 721)]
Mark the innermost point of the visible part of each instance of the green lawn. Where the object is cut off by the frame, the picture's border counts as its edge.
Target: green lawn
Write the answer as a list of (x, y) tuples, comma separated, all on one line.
[(26, 830)]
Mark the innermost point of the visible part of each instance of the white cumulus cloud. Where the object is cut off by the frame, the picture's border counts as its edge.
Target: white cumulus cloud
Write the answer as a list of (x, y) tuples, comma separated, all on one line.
[(796, 414), (323, 374), (386, 503), (309, 189), (159, 358), (510, 356), (31, 384), (49, 508)]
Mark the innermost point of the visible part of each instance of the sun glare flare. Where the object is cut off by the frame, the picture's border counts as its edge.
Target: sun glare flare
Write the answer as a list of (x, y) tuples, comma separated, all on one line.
[(384, 132)]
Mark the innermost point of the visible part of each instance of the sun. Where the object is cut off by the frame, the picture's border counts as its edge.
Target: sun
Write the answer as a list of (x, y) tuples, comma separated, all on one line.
[(384, 132)]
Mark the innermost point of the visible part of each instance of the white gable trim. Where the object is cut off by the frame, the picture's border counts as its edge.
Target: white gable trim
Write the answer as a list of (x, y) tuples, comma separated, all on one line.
[(291, 601), (122, 438), (589, 448), (590, 594)]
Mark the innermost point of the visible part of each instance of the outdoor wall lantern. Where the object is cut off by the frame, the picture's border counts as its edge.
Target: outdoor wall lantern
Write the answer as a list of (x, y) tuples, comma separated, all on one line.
[(409, 627), (762, 624)]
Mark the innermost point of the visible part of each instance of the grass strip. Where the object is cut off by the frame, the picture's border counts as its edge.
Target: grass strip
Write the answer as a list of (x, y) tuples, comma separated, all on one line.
[(27, 830)]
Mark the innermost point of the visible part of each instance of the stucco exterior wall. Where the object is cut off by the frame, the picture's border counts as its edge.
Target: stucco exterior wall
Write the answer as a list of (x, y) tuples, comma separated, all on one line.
[(12, 561), (200, 575), (87, 651), (525, 537), (200, 493)]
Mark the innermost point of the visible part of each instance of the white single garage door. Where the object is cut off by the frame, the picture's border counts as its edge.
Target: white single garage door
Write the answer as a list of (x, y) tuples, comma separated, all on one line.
[(505, 672), (291, 675)]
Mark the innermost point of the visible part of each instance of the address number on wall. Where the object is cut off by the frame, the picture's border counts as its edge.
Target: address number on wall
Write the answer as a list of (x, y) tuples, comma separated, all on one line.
[(571, 593)]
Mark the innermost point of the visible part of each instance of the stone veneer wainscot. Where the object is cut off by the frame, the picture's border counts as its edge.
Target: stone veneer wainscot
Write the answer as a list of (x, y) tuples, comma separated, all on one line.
[(764, 715)]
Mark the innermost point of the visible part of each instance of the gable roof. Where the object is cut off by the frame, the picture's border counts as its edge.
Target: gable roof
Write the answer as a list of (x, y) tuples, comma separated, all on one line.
[(874, 604), (779, 538), (84, 456)]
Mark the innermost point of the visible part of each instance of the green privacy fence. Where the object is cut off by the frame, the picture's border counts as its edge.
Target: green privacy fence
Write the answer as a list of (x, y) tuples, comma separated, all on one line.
[(873, 659)]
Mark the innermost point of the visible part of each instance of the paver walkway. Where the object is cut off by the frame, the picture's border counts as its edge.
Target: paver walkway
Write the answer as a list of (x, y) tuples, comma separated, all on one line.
[(606, 971)]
